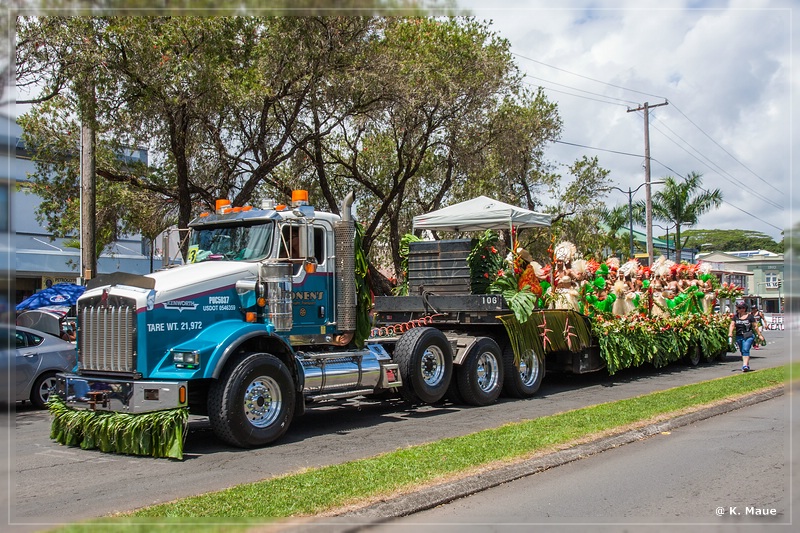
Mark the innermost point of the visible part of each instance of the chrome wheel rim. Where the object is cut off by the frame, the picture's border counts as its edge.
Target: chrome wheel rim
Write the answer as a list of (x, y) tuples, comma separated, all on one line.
[(487, 370), (262, 401), (433, 366), (529, 368)]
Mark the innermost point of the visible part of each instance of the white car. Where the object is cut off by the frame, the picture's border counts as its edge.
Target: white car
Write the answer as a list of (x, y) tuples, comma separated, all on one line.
[(37, 359)]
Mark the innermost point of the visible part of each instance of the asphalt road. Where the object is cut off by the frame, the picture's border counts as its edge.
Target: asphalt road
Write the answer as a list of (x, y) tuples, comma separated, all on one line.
[(52, 484), (728, 470)]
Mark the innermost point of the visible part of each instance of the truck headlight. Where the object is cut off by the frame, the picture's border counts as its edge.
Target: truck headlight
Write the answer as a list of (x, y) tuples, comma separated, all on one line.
[(186, 359)]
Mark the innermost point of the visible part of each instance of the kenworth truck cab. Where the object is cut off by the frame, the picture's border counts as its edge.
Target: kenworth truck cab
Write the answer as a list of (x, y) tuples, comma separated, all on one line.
[(259, 322)]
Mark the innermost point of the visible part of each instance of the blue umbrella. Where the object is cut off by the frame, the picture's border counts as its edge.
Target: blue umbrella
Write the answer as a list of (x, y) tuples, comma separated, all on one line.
[(60, 294)]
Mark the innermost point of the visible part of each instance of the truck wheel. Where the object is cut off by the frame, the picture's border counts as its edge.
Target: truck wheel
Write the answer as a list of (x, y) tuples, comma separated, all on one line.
[(252, 404), (522, 381), (40, 392), (480, 376), (426, 365)]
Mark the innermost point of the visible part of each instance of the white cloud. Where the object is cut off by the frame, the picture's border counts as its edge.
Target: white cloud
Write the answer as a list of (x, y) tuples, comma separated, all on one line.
[(726, 66)]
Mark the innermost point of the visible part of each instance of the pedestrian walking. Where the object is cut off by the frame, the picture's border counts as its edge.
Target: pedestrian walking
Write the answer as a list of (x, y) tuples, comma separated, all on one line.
[(760, 320), (745, 327)]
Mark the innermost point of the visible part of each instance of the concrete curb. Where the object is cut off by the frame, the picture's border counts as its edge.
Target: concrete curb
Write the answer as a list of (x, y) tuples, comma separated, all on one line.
[(407, 504)]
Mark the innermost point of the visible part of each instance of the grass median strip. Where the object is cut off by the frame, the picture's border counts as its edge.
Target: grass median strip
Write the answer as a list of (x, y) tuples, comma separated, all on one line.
[(319, 490)]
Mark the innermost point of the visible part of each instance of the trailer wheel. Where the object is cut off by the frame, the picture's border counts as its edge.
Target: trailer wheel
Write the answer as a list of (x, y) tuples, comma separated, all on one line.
[(252, 404), (695, 354), (453, 394), (522, 381), (426, 365), (480, 376)]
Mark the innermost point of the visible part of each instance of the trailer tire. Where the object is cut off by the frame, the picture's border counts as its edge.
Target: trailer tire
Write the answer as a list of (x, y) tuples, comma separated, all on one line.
[(522, 382), (453, 394), (426, 365), (694, 356), (252, 403), (480, 375)]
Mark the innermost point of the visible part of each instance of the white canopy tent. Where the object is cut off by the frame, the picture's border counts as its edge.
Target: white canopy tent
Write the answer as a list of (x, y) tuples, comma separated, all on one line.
[(480, 214)]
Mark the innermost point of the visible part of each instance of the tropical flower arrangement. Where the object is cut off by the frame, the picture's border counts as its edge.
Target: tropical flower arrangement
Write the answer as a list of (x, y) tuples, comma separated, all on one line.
[(485, 262), (633, 340), (625, 341), (729, 291)]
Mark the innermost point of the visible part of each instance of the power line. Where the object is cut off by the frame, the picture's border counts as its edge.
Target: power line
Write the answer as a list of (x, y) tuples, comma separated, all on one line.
[(575, 95), (581, 90), (599, 149), (726, 151), (587, 77), (684, 178), (711, 164), (646, 94)]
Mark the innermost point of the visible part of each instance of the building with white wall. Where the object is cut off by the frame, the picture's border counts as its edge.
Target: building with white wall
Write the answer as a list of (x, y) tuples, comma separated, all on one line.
[(760, 272), (39, 258)]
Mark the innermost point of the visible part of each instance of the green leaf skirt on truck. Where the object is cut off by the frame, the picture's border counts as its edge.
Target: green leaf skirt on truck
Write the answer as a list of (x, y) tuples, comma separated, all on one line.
[(159, 434)]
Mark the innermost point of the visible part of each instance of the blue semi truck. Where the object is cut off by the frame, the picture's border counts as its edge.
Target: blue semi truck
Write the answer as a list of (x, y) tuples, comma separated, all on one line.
[(260, 324)]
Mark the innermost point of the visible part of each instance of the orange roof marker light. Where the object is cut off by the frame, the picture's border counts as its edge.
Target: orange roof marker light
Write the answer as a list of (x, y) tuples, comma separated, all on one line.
[(223, 206), (299, 197)]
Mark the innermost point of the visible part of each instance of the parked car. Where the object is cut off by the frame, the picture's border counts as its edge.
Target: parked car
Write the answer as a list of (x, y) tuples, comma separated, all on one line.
[(38, 358)]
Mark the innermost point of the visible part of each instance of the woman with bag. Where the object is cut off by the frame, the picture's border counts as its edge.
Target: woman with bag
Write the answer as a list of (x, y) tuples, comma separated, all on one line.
[(745, 326)]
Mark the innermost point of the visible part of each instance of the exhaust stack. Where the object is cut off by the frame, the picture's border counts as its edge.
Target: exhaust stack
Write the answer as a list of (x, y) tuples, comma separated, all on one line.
[(345, 233)]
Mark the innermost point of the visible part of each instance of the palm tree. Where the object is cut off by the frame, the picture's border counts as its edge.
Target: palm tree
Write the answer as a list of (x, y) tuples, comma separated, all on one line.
[(680, 203), (616, 218)]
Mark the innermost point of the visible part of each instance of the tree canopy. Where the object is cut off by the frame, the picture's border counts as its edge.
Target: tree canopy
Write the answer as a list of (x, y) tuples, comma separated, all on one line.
[(730, 240), (413, 113)]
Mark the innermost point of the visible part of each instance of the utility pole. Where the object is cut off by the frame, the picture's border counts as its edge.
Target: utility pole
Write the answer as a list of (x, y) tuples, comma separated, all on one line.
[(88, 188), (647, 196)]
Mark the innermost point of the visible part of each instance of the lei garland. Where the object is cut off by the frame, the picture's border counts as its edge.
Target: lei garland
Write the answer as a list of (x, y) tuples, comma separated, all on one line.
[(633, 340), (363, 293)]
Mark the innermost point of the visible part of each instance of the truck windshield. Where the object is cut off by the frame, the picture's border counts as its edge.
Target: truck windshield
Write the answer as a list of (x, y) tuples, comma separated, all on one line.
[(231, 243)]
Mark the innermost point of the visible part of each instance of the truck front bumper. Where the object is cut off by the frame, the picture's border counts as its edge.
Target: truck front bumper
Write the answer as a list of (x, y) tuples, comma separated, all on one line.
[(120, 395)]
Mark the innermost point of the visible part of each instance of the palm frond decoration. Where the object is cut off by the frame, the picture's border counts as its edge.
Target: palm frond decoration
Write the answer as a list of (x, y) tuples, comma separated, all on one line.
[(158, 434)]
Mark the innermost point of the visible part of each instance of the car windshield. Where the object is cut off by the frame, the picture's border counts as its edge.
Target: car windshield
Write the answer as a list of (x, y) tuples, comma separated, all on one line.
[(232, 243)]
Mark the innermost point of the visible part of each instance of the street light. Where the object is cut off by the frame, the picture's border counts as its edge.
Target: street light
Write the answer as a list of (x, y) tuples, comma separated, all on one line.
[(630, 194), (669, 227)]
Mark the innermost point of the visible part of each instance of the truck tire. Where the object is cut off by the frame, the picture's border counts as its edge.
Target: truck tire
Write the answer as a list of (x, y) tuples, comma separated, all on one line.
[(426, 365), (480, 376), (40, 392), (525, 380), (252, 403), (453, 394)]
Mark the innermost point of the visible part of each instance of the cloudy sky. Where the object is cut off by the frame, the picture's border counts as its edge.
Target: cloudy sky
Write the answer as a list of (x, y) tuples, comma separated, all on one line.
[(725, 67)]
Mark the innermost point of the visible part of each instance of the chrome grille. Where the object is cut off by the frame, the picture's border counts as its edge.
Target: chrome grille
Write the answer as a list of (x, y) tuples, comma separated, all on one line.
[(107, 341)]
